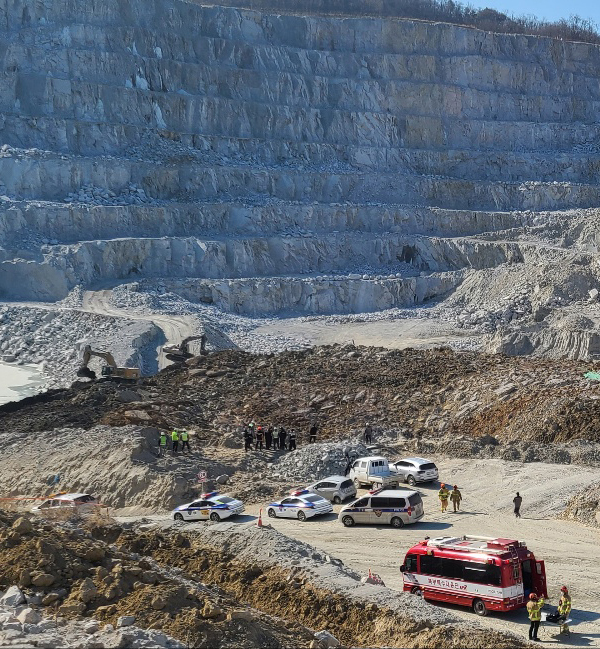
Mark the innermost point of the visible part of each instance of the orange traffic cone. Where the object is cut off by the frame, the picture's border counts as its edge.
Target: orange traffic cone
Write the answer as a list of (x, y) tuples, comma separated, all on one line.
[(259, 522), (370, 573)]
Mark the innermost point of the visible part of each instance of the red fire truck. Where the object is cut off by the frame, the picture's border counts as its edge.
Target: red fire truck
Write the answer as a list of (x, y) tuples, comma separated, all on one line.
[(476, 571)]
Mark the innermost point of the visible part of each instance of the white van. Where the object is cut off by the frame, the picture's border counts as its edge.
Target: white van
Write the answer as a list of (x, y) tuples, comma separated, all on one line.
[(395, 507), (374, 471)]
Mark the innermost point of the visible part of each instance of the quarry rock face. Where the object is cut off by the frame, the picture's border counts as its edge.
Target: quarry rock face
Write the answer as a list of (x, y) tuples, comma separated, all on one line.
[(258, 162)]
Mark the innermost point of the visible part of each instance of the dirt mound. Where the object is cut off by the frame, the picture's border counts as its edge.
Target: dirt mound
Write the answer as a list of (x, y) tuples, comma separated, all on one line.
[(74, 574)]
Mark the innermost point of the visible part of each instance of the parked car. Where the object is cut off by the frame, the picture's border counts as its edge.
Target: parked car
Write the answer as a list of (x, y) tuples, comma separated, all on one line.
[(211, 506), (335, 488), (384, 507), (415, 469), (77, 502), (300, 507), (373, 471)]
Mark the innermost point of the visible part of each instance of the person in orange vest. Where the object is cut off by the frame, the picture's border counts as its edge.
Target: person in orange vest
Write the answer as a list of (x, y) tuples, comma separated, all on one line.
[(534, 610), (259, 438)]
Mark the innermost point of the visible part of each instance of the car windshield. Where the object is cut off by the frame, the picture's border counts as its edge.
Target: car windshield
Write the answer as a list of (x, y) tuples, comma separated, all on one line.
[(85, 499), (427, 467), (346, 484), (313, 499), (224, 499)]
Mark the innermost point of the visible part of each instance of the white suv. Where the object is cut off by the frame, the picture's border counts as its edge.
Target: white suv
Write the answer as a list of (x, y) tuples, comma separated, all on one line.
[(415, 469)]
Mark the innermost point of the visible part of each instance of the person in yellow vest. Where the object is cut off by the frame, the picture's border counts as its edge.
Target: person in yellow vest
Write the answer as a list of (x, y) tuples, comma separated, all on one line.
[(455, 497), (174, 441), (564, 607), (443, 495), (534, 610), (185, 443), (162, 443)]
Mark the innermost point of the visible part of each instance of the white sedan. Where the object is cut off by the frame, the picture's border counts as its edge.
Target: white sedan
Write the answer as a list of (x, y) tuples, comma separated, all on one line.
[(300, 507), (210, 506)]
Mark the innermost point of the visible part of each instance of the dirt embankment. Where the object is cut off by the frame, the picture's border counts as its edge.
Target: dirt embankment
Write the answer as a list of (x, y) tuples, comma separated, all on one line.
[(423, 392)]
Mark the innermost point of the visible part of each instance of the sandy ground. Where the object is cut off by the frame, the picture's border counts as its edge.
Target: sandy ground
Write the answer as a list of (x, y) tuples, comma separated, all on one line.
[(569, 550), (394, 334), (18, 381)]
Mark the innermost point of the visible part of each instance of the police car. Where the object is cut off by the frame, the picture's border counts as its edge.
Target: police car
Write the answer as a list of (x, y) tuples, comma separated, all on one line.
[(301, 504), (209, 506)]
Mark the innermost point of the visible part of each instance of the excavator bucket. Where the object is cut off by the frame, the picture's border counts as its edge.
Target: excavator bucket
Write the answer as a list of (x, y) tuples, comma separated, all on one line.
[(86, 373)]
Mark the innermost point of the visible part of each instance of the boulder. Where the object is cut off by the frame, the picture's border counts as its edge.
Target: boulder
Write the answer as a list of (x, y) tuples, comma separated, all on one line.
[(125, 620), (327, 639), (42, 579), (241, 614), (12, 597), (158, 603), (29, 616), (223, 479), (22, 526), (87, 591), (211, 610)]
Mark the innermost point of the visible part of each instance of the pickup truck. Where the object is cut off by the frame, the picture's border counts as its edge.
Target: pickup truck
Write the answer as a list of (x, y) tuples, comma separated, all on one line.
[(374, 471)]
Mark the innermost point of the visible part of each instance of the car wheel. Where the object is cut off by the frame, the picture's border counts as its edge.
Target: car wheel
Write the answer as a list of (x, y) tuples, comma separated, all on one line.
[(417, 591), (301, 516), (479, 607), (215, 517), (411, 481), (337, 500), (356, 483), (397, 522), (271, 513), (348, 521), (178, 517)]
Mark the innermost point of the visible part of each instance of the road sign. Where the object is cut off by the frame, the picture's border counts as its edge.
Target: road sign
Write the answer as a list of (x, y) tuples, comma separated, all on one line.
[(202, 476)]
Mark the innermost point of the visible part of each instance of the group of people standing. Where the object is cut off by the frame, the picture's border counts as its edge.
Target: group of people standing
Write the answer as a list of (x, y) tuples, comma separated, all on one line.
[(175, 436), (269, 437)]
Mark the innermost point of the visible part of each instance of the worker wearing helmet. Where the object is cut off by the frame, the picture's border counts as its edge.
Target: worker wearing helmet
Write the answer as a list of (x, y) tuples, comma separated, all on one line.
[(443, 495), (534, 610), (455, 497), (564, 608)]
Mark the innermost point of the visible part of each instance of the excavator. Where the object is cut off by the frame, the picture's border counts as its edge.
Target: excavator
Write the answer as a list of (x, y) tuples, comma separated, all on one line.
[(110, 370), (180, 353)]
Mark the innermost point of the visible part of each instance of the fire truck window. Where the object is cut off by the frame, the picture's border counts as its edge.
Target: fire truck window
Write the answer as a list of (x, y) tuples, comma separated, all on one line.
[(452, 568), (481, 573), (411, 563), (431, 565)]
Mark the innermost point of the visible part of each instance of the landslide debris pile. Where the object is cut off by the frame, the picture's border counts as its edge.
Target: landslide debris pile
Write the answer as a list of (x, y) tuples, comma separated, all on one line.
[(67, 573), (421, 392), (300, 164), (102, 437)]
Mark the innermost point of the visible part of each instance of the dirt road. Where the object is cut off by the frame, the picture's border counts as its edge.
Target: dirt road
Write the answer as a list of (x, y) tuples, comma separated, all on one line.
[(569, 549), (394, 334)]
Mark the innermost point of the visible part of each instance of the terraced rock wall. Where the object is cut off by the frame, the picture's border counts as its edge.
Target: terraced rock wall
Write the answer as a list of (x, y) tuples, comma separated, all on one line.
[(261, 162)]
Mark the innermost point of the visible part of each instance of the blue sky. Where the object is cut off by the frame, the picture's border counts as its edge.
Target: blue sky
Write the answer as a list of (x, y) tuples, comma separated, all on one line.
[(548, 9)]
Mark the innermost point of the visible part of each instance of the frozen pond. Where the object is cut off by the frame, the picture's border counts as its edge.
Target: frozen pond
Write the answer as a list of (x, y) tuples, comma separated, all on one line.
[(18, 381)]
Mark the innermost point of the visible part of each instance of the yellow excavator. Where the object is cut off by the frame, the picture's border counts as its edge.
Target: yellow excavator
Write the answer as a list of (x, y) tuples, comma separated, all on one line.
[(179, 353), (110, 370)]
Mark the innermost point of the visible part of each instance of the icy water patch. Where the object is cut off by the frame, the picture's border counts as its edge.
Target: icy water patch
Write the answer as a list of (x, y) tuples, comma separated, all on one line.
[(19, 381)]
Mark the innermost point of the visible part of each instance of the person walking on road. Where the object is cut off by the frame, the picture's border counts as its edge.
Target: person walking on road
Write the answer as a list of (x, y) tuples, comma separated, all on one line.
[(247, 439), (368, 433), (259, 438), (443, 495), (282, 436), (162, 444), (185, 441), (455, 497), (312, 434), (275, 439), (292, 442), (564, 608), (269, 437), (534, 610), (174, 441), (517, 500)]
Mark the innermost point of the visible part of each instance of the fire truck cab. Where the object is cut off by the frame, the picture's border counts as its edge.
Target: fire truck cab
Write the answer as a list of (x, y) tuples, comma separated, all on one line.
[(485, 574)]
